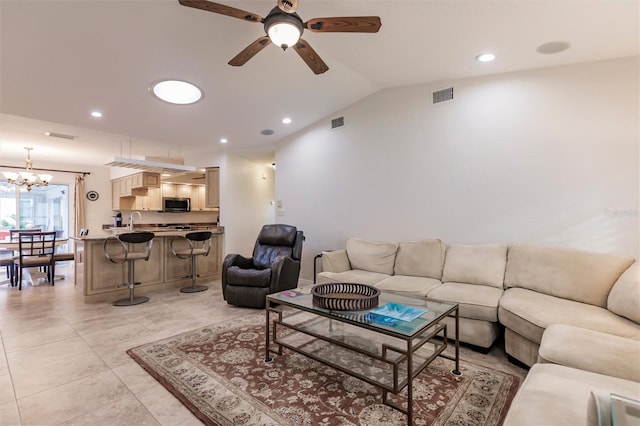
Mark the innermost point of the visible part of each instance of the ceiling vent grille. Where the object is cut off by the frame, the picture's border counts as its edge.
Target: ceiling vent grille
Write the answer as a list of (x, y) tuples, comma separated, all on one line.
[(443, 95), (337, 122)]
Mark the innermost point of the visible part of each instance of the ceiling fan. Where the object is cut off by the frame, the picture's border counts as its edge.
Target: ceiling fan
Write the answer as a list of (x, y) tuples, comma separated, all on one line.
[(284, 28)]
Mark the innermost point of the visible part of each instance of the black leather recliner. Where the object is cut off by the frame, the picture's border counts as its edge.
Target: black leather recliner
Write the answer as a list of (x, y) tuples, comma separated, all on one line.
[(274, 267)]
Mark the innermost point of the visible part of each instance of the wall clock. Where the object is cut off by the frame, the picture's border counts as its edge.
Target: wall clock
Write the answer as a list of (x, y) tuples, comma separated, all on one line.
[(92, 195)]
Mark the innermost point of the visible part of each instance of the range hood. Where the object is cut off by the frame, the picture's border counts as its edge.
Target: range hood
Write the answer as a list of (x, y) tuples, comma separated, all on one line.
[(150, 166)]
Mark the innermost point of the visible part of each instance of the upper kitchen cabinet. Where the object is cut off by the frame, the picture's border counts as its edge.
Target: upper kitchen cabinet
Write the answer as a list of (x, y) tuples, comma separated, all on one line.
[(212, 199), (126, 190)]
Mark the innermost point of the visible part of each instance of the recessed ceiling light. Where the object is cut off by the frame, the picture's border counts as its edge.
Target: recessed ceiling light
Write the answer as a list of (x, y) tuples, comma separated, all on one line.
[(286, 120), (486, 57), (176, 92), (266, 132), (553, 47), (96, 114), (223, 140)]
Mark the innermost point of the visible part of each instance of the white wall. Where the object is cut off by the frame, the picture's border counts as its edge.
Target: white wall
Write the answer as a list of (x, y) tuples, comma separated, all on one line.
[(246, 192), (546, 157)]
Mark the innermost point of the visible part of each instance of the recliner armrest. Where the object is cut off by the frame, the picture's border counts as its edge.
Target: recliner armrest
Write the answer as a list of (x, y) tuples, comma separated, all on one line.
[(335, 261), (284, 274), (237, 260), (233, 260)]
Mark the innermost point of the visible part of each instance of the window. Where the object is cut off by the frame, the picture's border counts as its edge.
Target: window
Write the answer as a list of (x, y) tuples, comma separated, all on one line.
[(44, 207)]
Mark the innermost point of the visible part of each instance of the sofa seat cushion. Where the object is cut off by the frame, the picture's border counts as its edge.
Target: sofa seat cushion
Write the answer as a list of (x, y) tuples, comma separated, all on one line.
[(625, 294), (248, 277), (474, 301), (565, 345), (418, 286), (557, 395), (570, 274), (352, 276), (374, 256), (423, 258), (529, 313), (482, 264)]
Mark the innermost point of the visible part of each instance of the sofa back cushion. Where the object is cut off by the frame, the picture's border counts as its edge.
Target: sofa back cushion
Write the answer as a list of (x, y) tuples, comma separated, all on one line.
[(482, 264), (374, 256), (570, 274), (420, 259), (625, 294)]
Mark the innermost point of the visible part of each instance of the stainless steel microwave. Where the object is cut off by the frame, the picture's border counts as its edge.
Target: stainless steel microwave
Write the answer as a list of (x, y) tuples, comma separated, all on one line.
[(176, 205)]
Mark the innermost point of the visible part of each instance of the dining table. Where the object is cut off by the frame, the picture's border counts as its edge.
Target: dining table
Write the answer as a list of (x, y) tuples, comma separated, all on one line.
[(12, 245)]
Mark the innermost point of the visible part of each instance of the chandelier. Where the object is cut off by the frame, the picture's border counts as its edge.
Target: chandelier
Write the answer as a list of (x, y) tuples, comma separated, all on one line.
[(27, 178)]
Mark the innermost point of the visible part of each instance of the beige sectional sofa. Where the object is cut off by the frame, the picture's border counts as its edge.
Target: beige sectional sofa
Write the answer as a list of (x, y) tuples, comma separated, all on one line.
[(577, 371), (471, 276), (574, 316), (522, 288)]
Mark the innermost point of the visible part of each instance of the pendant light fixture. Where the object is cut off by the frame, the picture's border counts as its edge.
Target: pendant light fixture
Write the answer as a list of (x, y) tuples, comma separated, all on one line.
[(27, 178)]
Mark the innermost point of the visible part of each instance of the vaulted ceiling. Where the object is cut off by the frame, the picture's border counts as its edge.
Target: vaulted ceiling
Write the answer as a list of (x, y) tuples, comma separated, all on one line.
[(60, 60)]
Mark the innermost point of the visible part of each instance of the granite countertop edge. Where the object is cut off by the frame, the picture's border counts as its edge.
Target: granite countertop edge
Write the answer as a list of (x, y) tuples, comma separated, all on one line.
[(101, 235)]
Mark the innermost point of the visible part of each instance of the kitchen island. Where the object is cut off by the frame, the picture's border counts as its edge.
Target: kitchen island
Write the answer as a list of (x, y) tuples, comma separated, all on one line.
[(103, 281)]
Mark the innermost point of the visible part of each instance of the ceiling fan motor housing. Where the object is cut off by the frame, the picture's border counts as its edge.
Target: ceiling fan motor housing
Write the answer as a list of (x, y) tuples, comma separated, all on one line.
[(277, 16)]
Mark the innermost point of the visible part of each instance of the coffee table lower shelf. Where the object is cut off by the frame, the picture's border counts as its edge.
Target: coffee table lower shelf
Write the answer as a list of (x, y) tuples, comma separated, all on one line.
[(375, 357)]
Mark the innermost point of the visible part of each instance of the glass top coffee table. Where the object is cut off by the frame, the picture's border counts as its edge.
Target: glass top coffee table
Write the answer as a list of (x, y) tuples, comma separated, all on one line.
[(382, 351)]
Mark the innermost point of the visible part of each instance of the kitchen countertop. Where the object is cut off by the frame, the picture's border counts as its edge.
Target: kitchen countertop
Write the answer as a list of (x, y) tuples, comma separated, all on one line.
[(159, 231)]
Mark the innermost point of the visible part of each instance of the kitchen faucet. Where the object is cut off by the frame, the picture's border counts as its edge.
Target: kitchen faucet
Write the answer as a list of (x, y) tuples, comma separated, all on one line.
[(131, 219)]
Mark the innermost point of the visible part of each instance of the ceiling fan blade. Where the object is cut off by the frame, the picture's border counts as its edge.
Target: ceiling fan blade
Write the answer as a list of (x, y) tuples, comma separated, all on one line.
[(210, 6), (346, 24), (250, 51), (288, 6), (310, 56)]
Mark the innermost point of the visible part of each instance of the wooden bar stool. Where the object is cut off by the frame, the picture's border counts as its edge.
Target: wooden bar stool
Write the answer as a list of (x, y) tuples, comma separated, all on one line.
[(120, 249), (192, 245)]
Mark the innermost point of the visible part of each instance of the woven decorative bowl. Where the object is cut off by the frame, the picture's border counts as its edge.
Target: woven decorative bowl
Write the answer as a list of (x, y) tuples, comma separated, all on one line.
[(345, 296)]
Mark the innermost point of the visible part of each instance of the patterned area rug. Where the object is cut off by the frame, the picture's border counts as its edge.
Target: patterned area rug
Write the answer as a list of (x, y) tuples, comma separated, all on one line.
[(218, 372)]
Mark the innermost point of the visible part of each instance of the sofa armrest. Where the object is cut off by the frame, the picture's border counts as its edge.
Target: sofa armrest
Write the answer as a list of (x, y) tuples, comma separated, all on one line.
[(591, 350), (335, 261)]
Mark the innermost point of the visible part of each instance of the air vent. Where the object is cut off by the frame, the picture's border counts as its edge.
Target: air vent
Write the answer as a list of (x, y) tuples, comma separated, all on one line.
[(60, 135), (337, 122), (443, 95)]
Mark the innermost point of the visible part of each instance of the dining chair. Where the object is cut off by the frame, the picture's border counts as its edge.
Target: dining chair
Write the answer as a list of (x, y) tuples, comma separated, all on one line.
[(35, 249), (13, 233)]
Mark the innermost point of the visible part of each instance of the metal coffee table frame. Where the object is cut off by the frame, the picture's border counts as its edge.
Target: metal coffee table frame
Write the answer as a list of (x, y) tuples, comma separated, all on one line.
[(392, 356)]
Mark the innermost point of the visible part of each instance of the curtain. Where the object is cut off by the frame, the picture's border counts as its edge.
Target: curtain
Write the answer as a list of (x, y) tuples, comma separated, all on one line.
[(78, 207)]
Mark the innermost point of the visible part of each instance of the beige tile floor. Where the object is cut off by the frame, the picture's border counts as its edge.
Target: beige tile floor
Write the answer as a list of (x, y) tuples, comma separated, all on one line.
[(63, 362)]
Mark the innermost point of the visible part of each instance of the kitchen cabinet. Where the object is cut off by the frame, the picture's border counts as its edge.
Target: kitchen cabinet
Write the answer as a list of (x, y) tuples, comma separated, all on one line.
[(169, 190), (176, 190), (126, 190), (145, 180), (115, 194), (199, 198), (184, 191), (150, 201), (212, 199)]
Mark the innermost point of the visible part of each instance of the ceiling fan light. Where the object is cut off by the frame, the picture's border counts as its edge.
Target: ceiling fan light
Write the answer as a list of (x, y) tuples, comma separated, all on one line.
[(284, 34)]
